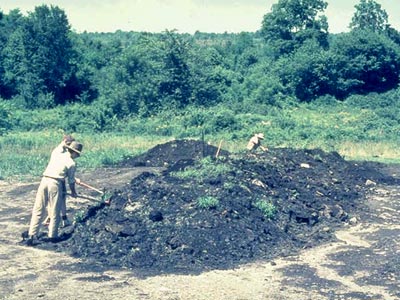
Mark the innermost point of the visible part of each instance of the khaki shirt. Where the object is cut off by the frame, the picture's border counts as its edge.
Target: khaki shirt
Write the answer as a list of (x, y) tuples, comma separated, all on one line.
[(61, 166), (254, 143), (59, 149)]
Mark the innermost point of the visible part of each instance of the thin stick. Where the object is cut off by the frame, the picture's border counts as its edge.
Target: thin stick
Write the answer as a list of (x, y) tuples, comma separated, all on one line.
[(219, 148)]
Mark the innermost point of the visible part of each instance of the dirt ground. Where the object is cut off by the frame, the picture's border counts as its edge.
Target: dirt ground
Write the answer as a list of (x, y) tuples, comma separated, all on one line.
[(358, 259)]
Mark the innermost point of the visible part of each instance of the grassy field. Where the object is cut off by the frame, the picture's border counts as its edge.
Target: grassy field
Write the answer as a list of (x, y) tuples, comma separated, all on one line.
[(365, 131), (25, 154)]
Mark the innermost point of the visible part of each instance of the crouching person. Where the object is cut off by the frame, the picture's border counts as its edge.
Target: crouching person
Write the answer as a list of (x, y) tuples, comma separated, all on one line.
[(255, 143), (49, 197)]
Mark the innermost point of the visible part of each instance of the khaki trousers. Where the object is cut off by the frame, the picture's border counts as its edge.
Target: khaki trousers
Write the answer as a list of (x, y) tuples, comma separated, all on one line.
[(48, 200)]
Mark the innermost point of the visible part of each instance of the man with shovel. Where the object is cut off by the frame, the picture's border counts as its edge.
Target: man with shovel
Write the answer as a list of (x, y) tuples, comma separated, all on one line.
[(50, 193), (62, 148)]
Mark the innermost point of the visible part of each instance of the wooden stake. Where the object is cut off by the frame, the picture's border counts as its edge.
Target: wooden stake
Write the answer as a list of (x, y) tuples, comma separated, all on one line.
[(219, 148)]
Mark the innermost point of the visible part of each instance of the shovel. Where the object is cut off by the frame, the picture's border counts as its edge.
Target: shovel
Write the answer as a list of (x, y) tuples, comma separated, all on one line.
[(106, 197)]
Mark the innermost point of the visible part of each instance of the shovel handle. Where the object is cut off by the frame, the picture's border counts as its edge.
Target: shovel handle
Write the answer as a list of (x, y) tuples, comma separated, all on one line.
[(89, 187)]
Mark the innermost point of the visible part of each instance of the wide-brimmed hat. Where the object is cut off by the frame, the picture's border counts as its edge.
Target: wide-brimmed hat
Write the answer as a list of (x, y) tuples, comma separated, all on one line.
[(76, 147), (68, 139), (260, 135)]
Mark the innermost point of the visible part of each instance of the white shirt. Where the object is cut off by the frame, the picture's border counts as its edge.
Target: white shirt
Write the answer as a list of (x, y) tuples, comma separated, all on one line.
[(254, 143), (59, 149), (61, 166)]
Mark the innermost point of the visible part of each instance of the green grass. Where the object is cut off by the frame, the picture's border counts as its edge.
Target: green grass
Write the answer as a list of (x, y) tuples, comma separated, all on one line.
[(25, 154), (207, 202)]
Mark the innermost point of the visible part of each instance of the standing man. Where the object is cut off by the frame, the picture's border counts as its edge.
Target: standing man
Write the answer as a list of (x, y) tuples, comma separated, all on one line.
[(62, 148), (255, 142), (50, 193)]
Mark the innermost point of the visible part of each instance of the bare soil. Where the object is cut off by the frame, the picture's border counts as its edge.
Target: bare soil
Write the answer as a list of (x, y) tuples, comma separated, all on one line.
[(335, 234)]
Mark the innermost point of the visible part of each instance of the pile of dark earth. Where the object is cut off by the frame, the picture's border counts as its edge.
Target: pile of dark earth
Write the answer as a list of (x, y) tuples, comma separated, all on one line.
[(155, 224)]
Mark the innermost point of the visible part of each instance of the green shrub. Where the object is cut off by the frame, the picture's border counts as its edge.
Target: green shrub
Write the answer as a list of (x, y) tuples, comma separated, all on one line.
[(267, 208), (5, 116), (223, 120), (72, 118)]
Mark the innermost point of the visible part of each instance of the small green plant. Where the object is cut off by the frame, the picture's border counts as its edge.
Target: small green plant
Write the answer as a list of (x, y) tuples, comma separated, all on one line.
[(267, 208), (229, 185), (79, 217), (207, 202), (205, 168)]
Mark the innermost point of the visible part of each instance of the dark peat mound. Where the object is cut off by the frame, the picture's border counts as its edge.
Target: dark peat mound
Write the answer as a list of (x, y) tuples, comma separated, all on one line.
[(264, 205)]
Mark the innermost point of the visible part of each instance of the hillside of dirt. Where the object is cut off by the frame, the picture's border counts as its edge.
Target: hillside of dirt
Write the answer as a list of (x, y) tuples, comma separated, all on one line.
[(154, 224)]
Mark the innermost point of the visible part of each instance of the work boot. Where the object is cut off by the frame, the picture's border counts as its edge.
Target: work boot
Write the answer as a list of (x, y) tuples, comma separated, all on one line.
[(29, 241), (25, 235)]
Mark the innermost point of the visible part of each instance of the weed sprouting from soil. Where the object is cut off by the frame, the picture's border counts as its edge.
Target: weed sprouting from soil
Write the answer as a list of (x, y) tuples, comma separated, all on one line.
[(267, 208), (207, 202)]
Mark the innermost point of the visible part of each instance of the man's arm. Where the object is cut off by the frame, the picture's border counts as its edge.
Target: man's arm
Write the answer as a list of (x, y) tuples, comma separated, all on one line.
[(74, 194), (72, 180)]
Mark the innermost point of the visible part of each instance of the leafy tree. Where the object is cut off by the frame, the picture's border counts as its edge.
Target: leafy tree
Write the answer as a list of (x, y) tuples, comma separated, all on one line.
[(130, 83), (51, 48), (3, 39), (211, 78), (97, 49), (366, 61), (265, 89), (393, 34), (369, 15), (176, 88), (361, 61), (8, 24), (308, 72), (38, 57), (18, 73), (292, 22)]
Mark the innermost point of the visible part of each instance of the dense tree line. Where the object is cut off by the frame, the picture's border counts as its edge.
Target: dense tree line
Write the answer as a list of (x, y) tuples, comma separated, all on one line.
[(43, 63)]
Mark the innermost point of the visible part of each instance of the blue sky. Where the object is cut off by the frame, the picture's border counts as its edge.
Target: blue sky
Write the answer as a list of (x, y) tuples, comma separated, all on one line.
[(186, 15)]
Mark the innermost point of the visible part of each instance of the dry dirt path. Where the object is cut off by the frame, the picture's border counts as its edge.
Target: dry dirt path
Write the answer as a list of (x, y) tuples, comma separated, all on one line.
[(364, 262)]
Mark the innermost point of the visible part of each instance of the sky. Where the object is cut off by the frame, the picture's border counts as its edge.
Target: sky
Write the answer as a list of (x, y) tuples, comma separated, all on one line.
[(186, 16)]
